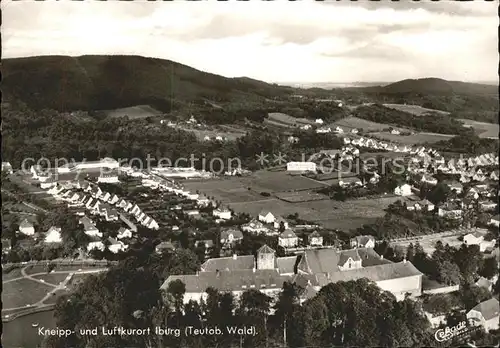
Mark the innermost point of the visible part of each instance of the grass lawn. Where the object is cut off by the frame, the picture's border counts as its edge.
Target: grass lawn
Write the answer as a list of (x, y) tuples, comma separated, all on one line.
[(55, 296), (280, 181), (280, 117), (483, 129), (23, 292), (138, 111), (414, 109), (53, 278), (202, 133), (12, 274), (300, 196), (418, 138), (351, 122)]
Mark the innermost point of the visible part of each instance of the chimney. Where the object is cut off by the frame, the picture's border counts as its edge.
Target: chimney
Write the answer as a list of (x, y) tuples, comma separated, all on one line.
[(235, 256)]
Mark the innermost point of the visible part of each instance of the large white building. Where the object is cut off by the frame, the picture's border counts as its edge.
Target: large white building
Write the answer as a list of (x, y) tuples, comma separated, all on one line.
[(301, 166), (312, 270), (107, 163)]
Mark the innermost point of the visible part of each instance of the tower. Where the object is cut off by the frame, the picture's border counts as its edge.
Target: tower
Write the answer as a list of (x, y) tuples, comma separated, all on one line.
[(266, 258)]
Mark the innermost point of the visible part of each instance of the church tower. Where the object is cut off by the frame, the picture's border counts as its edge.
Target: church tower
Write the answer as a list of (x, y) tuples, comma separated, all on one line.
[(266, 258)]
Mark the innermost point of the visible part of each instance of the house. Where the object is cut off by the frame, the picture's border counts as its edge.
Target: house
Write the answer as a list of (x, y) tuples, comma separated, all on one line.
[(403, 190), (89, 228), (230, 236), (124, 233), (494, 221), (451, 211), (288, 239), (153, 225), (363, 242), (339, 130), (27, 228), (49, 183), (485, 314), (192, 212), (279, 221), (482, 282), (323, 130), (315, 239), (395, 132), (473, 238), (354, 131), (266, 217), (7, 167), (164, 247), (457, 187), (116, 246), (254, 226), (306, 127), (53, 235), (319, 121), (224, 214), (95, 244), (487, 205), (420, 205)]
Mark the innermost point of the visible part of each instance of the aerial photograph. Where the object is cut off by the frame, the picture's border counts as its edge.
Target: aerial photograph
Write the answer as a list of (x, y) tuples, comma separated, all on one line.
[(250, 174)]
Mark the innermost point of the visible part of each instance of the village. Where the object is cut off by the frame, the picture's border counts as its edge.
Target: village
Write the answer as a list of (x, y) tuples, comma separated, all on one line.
[(293, 249)]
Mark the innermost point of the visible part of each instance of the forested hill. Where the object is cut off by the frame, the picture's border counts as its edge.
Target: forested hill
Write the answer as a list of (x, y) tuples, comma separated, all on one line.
[(463, 99), (106, 82)]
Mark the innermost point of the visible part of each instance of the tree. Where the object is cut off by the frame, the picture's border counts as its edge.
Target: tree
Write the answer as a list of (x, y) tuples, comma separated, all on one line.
[(489, 268), (448, 273), (253, 310), (176, 290)]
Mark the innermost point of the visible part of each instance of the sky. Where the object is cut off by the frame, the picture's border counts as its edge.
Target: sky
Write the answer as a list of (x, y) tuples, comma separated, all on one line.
[(280, 41)]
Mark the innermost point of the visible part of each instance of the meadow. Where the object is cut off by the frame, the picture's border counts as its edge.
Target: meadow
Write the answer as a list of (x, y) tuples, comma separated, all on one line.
[(23, 292), (287, 119), (352, 122), (416, 110), (52, 278), (483, 129), (134, 112), (417, 138)]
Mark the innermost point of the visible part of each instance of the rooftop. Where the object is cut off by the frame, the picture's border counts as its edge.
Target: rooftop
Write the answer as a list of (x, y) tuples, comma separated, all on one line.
[(489, 309)]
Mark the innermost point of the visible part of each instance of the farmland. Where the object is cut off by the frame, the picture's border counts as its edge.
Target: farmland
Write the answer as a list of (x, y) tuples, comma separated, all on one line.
[(483, 129), (418, 138), (351, 122), (414, 109), (133, 112), (280, 118)]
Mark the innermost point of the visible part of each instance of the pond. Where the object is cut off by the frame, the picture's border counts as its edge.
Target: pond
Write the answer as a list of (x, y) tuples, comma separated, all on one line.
[(19, 333)]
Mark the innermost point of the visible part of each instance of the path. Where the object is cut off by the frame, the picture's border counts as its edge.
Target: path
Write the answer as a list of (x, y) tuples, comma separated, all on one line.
[(60, 286)]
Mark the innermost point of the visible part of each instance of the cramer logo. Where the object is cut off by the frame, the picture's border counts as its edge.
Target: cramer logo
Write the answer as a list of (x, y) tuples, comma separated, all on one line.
[(448, 333)]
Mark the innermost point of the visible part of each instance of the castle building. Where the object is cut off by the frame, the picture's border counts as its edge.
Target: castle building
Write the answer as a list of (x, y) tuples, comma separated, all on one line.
[(312, 270)]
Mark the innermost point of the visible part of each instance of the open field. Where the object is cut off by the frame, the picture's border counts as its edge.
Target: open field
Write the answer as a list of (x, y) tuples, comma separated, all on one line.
[(414, 109), (418, 138), (52, 278), (202, 133), (428, 244), (483, 129), (23, 292), (352, 122), (277, 124), (300, 196), (331, 214), (280, 181), (69, 268), (138, 111), (55, 296), (12, 274), (287, 119)]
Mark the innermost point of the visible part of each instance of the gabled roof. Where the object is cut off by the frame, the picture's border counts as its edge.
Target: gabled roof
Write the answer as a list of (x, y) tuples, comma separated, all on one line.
[(230, 281), (237, 234), (288, 234), (265, 249), (25, 224), (286, 264), (265, 213), (242, 262), (489, 309)]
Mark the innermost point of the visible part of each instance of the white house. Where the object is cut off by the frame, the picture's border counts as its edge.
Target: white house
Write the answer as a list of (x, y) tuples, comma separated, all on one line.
[(53, 235), (485, 314), (7, 167), (473, 238), (315, 239), (254, 226), (109, 177), (495, 220), (224, 214), (363, 242), (230, 236), (288, 239), (124, 233), (354, 131), (339, 130), (116, 246), (319, 121), (266, 217), (395, 132), (278, 221), (323, 130), (95, 244), (403, 190), (27, 228), (301, 166)]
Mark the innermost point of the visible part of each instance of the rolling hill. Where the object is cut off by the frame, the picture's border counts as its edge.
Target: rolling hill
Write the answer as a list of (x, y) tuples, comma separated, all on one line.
[(107, 82)]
